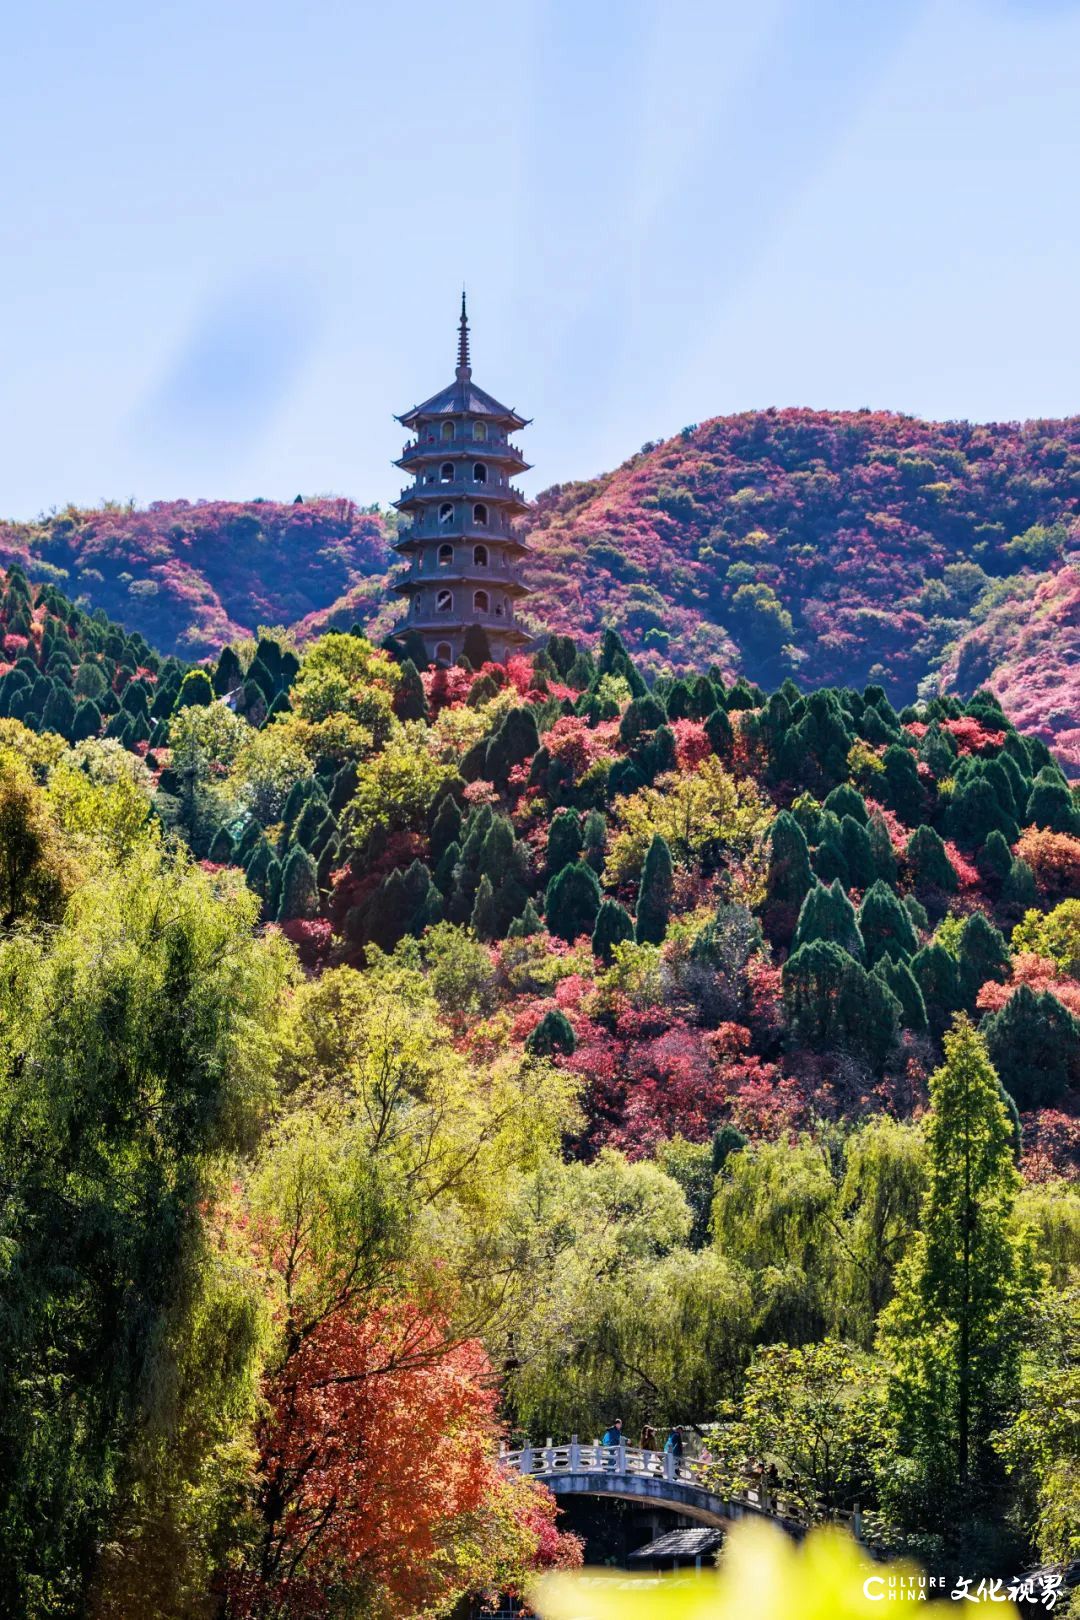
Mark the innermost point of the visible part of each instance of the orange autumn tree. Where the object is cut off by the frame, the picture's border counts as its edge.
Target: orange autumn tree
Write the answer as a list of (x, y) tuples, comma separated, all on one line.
[(374, 1218)]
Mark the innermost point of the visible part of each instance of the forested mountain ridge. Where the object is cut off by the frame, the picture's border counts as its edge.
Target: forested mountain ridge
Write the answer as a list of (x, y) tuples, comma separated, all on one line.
[(393, 1060), (833, 546)]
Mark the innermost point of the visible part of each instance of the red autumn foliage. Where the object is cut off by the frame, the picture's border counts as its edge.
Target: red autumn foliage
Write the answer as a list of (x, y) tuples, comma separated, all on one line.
[(1039, 975)]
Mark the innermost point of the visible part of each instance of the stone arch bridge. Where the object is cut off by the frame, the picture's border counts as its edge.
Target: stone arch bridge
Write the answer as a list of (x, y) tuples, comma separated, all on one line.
[(681, 1484)]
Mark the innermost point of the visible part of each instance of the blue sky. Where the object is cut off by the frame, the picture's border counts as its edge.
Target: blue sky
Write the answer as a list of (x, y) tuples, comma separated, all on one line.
[(233, 235)]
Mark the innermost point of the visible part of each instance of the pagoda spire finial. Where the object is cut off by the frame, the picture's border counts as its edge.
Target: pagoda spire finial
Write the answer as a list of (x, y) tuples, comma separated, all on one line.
[(463, 367)]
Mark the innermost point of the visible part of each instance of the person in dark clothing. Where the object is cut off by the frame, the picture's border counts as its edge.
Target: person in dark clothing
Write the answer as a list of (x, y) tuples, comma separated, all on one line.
[(648, 1438), (673, 1445)]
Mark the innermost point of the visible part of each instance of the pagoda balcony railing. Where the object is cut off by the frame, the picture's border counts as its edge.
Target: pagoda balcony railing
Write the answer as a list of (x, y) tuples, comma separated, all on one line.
[(499, 488), (455, 446), (430, 570), (450, 621), (457, 531)]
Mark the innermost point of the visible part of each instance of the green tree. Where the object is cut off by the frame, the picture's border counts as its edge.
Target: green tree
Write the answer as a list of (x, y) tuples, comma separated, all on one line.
[(613, 925), (564, 840), (827, 913), (654, 894), (572, 902), (554, 1033), (952, 1333), (816, 1409), (299, 886), (885, 926), (1034, 1042), (195, 691), (930, 864), (789, 878)]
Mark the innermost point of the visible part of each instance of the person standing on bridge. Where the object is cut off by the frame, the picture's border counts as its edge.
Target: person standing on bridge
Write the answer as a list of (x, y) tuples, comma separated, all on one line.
[(613, 1436), (673, 1445)]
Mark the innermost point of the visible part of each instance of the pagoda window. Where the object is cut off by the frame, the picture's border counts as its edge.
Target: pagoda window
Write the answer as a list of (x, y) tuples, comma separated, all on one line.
[(479, 515), (479, 430), (448, 430), (480, 556), (444, 653), (446, 515), (446, 555), (480, 602), (444, 602), (498, 610), (446, 473), (479, 473)]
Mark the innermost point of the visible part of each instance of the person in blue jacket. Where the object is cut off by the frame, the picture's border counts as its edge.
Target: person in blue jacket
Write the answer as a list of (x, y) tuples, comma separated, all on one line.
[(613, 1436), (673, 1445)]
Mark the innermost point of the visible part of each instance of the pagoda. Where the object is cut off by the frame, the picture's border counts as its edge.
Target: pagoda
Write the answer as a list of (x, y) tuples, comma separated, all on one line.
[(464, 556)]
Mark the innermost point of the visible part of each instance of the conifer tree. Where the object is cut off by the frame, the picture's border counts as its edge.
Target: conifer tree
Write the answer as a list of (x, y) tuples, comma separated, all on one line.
[(485, 921), (994, 861), (858, 854), (552, 1034), (881, 850), (222, 848), (885, 926), (937, 975), (594, 840), (195, 690), (525, 926), (654, 894), (410, 702), (952, 1333), (983, 955), (299, 886), (827, 913), (789, 879), (1034, 1042), (845, 800), (897, 976), (613, 925), (572, 902), (719, 731), (903, 790), (59, 712), (564, 840), (1051, 804), (228, 675), (929, 862)]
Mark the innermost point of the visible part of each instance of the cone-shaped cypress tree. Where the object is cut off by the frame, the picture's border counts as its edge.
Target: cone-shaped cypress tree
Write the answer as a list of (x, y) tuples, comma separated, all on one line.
[(1034, 1043), (59, 712), (885, 926), (299, 886), (936, 973), (222, 850), (845, 800), (983, 955), (309, 822), (654, 894), (789, 879), (486, 920), (409, 700), (613, 924), (898, 977), (828, 914), (564, 841), (858, 854), (87, 721), (572, 902), (881, 850), (195, 690), (929, 862), (527, 924), (994, 861), (594, 840), (554, 1033), (228, 675)]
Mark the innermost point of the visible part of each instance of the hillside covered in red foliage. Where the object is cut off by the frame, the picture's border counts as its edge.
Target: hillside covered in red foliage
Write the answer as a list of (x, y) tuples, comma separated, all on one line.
[(192, 576)]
